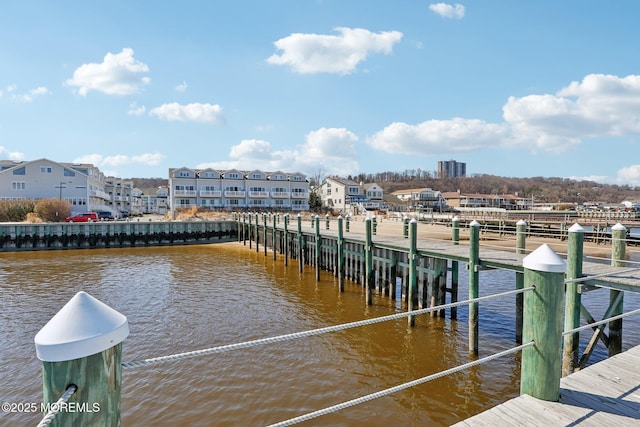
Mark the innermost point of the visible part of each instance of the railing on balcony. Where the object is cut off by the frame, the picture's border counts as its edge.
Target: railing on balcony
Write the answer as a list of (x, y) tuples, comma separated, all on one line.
[(184, 193), (280, 194), (234, 194), (100, 194), (210, 193), (297, 195), (261, 194)]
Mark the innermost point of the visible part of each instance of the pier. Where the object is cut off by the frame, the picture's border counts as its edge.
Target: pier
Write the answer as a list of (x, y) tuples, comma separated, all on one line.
[(424, 274)]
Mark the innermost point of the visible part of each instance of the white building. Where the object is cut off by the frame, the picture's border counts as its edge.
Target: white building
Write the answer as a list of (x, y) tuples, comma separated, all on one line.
[(422, 198), (157, 203), (346, 196), (83, 185), (234, 189)]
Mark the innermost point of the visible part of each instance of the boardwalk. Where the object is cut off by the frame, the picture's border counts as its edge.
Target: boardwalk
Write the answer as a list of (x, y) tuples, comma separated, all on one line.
[(604, 394)]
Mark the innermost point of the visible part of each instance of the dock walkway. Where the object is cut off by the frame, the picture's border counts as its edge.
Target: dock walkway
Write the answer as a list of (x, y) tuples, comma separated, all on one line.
[(604, 394)]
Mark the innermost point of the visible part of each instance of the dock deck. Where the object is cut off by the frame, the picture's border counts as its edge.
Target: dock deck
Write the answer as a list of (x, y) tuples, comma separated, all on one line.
[(604, 394)]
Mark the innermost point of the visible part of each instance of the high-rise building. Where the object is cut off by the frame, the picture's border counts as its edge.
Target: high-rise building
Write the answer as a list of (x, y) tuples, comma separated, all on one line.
[(451, 169)]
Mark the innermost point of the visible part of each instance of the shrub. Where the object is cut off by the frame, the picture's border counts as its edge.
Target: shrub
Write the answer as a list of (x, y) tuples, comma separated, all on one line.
[(53, 209), (15, 210)]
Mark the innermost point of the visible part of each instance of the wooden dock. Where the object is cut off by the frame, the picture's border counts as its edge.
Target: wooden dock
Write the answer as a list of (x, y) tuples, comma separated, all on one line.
[(604, 394)]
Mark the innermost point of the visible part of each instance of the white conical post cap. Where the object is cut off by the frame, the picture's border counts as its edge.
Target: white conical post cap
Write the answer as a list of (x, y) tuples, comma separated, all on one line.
[(83, 327), (544, 259)]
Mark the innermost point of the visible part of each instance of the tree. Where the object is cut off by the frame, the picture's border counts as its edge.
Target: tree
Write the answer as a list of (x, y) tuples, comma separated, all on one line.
[(53, 209), (315, 202)]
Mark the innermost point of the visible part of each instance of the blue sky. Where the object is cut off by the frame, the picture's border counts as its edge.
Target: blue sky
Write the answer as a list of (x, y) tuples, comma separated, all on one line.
[(512, 88)]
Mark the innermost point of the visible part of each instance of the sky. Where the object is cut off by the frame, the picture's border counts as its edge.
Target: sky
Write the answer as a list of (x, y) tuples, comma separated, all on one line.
[(342, 87)]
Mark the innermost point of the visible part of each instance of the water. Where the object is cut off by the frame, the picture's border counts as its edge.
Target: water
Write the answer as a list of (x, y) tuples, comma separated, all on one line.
[(186, 298)]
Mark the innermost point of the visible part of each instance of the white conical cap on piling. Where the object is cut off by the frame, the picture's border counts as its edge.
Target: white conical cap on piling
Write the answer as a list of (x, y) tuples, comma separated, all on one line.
[(474, 223), (576, 228), (83, 327), (619, 227), (521, 222), (544, 259)]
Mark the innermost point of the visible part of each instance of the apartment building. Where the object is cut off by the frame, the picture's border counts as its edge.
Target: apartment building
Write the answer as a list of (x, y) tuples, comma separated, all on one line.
[(157, 203), (234, 189), (82, 184)]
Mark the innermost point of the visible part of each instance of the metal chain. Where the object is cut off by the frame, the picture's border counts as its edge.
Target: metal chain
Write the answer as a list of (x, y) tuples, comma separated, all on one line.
[(397, 388), (55, 408), (313, 332)]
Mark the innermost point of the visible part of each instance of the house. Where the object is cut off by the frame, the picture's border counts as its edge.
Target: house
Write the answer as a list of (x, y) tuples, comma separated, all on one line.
[(422, 198), (234, 189), (346, 196), (82, 184), (463, 201)]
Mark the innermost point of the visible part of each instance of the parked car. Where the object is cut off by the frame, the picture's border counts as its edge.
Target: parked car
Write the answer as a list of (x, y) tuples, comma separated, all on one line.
[(105, 216), (82, 217), (124, 214)]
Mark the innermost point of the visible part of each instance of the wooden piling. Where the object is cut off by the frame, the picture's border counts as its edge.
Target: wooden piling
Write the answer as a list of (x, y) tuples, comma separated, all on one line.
[(318, 248), (573, 303), (82, 346), (300, 245), (340, 255), (474, 284), (541, 364), (618, 256), (368, 274), (412, 297), (455, 238), (521, 244)]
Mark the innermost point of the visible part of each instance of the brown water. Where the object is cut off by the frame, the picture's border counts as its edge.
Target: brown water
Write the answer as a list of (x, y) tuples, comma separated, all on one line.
[(186, 298)]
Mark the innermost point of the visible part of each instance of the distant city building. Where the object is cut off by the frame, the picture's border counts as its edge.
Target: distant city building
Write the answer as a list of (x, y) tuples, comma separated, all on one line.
[(451, 169), (83, 185), (234, 189)]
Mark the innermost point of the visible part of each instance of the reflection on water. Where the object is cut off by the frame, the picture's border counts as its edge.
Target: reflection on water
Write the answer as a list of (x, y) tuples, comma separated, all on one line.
[(186, 298)]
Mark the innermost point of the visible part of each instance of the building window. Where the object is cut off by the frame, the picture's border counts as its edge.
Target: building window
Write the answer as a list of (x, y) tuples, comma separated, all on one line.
[(184, 174), (68, 172), (44, 169), (19, 171), (18, 185)]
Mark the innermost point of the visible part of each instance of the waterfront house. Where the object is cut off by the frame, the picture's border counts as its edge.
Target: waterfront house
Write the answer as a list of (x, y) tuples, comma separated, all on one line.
[(422, 198), (82, 184), (346, 196)]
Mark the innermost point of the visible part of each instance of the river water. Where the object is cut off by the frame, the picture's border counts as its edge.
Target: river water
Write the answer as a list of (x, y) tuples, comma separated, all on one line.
[(186, 298)]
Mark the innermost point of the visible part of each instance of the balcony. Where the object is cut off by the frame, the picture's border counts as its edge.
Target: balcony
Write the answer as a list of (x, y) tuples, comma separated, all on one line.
[(259, 194), (234, 193), (296, 195), (184, 193), (100, 194), (280, 194), (210, 193)]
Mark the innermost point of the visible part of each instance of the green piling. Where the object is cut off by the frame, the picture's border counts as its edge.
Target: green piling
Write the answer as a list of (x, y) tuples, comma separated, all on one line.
[(474, 284), (521, 244), (541, 364), (575, 251), (618, 256), (412, 300)]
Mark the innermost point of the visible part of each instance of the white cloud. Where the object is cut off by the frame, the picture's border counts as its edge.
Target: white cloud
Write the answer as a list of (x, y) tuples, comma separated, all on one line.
[(30, 95), (338, 54), (629, 175), (147, 159), (438, 136), (600, 106), (330, 148), (134, 110), (196, 112), (11, 155), (182, 87), (448, 11), (118, 74)]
